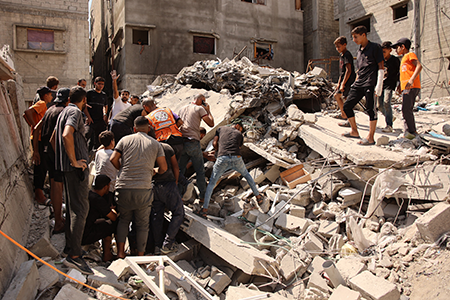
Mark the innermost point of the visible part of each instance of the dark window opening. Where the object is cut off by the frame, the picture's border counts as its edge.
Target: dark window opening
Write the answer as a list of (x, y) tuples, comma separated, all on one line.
[(400, 11), (205, 45), (40, 39), (140, 37), (263, 2), (365, 22), (263, 51)]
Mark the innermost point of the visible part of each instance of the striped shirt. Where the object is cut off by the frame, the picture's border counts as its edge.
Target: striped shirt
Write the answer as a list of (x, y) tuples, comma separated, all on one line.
[(70, 116)]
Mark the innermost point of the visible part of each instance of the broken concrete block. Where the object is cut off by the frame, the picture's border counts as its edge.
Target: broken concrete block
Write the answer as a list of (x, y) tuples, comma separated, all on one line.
[(319, 72), (350, 266), (316, 265), (373, 287), (294, 262), (297, 211), (219, 282), (235, 226), (69, 292), (104, 276), (47, 276), (294, 113), (214, 209), (319, 208), (303, 198), (252, 215), (273, 173), (313, 245), (284, 135), (382, 140), (266, 226), (281, 208), (186, 250), (344, 293), (336, 242), (292, 224), (316, 281), (75, 274), (310, 118), (435, 222), (328, 228), (25, 283), (110, 290), (350, 196), (257, 175), (120, 268), (44, 248)]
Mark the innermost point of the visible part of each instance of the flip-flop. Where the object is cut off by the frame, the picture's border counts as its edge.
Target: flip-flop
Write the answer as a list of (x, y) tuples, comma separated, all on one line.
[(339, 117), (345, 124), (348, 135), (365, 142)]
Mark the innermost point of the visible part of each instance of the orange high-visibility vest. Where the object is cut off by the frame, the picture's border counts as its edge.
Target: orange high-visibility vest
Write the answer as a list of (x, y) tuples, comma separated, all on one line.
[(164, 123)]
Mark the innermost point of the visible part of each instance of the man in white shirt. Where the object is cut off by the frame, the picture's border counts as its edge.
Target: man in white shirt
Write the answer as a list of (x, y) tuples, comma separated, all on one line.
[(120, 102)]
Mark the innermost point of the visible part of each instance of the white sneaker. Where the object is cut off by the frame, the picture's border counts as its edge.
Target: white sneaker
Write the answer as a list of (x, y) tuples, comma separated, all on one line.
[(189, 190), (387, 129)]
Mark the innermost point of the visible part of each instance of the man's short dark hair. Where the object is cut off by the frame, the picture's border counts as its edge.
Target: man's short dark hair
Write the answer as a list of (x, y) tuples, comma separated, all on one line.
[(148, 102), (105, 137), (80, 80), (386, 45), (359, 30), (134, 96), (141, 121), (77, 94), (342, 40), (99, 79), (52, 81), (125, 91), (202, 130)]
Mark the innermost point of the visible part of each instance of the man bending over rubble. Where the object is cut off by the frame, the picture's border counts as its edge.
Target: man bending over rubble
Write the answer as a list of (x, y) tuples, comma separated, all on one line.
[(227, 142)]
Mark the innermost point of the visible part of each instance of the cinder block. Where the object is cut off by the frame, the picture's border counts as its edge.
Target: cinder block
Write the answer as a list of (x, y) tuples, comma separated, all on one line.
[(435, 222), (43, 248), (25, 284), (350, 266), (373, 287), (47, 276), (328, 228), (187, 251), (350, 196), (120, 268), (69, 292), (344, 293), (297, 211), (219, 282)]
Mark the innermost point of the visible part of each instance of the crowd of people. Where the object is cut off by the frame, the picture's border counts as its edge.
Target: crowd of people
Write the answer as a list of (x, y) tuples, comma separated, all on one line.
[(141, 152)]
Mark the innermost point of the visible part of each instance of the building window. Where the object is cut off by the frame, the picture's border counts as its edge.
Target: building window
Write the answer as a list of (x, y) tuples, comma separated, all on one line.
[(140, 37), (400, 12), (205, 45), (263, 51), (365, 22), (40, 39), (263, 2)]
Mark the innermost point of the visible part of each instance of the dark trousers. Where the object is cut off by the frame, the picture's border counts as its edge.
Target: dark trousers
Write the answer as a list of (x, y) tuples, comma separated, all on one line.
[(355, 95), (408, 98), (166, 196), (76, 192), (98, 231), (92, 132), (40, 171), (119, 129)]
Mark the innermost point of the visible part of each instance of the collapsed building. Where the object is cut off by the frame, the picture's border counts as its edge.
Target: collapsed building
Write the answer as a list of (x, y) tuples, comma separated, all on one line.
[(339, 221)]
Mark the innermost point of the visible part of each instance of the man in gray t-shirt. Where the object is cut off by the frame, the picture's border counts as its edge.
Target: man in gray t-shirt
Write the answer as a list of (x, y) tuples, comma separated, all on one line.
[(192, 115), (135, 156)]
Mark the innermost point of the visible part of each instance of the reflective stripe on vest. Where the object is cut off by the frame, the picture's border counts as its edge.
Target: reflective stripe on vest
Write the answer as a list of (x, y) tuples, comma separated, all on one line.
[(164, 123)]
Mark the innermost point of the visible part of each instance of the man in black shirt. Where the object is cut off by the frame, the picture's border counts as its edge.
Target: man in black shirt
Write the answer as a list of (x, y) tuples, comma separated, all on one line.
[(227, 142), (101, 219), (122, 124), (390, 83), (369, 81), (347, 73), (96, 113)]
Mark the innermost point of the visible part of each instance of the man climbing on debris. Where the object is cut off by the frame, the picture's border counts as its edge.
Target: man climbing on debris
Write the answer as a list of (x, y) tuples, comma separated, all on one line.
[(120, 102), (71, 159), (227, 142), (192, 114), (135, 156)]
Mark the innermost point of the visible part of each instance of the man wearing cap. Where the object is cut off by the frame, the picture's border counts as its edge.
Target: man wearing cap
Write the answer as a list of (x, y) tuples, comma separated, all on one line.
[(101, 219), (135, 156), (33, 115), (120, 101), (45, 129)]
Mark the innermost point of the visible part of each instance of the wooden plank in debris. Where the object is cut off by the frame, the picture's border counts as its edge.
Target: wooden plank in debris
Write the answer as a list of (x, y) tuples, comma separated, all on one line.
[(227, 246), (268, 156)]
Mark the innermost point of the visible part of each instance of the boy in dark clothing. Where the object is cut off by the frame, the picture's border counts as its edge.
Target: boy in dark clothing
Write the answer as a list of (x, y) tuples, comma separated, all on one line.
[(369, 81), (101, 219), (391, 79), (347, 73)]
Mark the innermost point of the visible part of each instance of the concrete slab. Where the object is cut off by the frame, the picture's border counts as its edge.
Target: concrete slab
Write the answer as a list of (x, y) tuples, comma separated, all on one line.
[(43, 248), (186, 251), (47, 276), (25, 283), (434, 223), (350, 266), (69, 292), (344, 293), (292, 224), (373, 287)]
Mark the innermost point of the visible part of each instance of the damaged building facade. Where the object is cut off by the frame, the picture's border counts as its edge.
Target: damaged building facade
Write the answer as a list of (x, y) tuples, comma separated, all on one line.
[(142, 39), (46, 38), (426, 24)]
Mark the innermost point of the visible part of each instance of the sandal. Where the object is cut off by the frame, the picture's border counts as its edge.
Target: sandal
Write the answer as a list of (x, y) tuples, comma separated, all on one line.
[(340, 117), (260, 200), (365, 142), (348, 135), (345, 124)]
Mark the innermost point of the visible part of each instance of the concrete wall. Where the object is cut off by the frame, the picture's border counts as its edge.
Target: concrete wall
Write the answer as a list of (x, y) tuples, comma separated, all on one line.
[(69, 61), (427, 25), (234, 23)]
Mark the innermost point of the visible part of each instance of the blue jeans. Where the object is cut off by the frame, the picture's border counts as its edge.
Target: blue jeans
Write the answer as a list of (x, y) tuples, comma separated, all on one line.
[(384, 105), (193, 151), (223, 164)]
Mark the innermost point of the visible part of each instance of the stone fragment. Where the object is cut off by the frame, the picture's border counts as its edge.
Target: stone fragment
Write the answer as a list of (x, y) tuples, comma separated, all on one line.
[(344, 293), (110, 290), (257, 175), (435, 222), (313, 245), (382, 272), (310, 118), (328, 228), (296, 261), (104, 276), (382, 140), (385, 262), (373, 287), (219, 281), (446, 129), (252, 215), (266, 226), (214, 209), (25, 283), (294, 113), (281, 207), (336, 242), (350, 196), (75, 274), (319, 208), (273, 173), (316, 265), (350, 266), (304, 197), (44, 248), (47, 276), (120, 268), (292, 224), (318, 282), (297, 211), (69, 292)]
